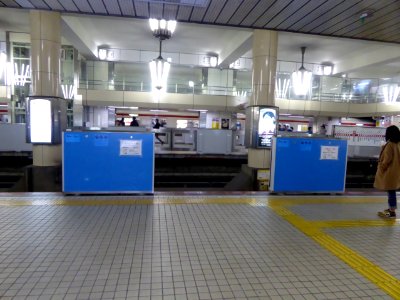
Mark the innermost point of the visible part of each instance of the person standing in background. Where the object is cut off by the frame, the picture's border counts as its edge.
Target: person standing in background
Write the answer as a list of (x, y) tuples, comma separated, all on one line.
[(134, 122), (322, 129), (387, 176), (157, 125)]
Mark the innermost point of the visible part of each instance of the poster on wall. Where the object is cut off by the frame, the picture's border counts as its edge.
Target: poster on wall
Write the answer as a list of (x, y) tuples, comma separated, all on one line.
[(224, 123), (266, 126)]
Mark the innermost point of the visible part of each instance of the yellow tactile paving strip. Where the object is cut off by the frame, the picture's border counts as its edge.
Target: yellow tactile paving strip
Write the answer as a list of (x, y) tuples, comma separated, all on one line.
[(279, 204), (314, 229)]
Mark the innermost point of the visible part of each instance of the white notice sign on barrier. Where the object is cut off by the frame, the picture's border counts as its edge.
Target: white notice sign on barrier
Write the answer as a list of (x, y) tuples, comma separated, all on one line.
[(329, 152), (130, 148)]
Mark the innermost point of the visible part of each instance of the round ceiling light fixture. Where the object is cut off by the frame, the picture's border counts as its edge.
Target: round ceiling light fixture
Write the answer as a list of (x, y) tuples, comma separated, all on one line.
[(365, 14)]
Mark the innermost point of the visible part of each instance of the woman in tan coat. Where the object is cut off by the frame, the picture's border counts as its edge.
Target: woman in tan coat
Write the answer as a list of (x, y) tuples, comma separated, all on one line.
[(387, 176)]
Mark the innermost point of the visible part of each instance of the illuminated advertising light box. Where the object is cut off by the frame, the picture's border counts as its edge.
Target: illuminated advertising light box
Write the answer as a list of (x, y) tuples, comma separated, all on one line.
[(40, 120), (266, 127), (46, 118), (261, 126)]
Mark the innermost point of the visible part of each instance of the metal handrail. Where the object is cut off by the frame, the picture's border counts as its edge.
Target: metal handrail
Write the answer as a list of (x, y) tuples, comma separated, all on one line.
[(171, 88), (347, 91)]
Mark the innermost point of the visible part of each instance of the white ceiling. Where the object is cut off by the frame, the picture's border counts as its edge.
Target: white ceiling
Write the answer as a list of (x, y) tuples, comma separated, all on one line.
[(14, 20), (128, 33), (319, 48)]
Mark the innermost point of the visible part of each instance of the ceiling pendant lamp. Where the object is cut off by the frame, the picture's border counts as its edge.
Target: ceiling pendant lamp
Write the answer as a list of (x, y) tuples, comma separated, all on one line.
[(159, 67), (162, 29), (301, 79)]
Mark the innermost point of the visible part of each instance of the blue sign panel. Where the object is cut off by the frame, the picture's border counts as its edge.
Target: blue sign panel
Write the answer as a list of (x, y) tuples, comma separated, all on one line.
[(308, 165), (108, 162)]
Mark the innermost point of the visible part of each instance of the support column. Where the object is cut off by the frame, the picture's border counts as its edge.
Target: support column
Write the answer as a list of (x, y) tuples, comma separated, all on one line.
[(45, 55), (265, 48)]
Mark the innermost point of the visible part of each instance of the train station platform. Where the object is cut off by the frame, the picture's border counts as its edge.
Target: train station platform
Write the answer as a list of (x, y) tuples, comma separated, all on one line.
[(197, 246)]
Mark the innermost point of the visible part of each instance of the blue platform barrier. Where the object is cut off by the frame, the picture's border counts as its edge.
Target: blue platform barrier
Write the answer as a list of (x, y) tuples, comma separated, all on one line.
[(312, 165), (108, 162)]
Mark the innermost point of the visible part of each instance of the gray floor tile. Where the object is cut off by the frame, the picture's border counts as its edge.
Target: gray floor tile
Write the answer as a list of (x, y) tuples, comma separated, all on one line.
[(194, 251)]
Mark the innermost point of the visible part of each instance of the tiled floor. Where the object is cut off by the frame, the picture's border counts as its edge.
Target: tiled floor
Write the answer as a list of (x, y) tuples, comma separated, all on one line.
[(195, 247)]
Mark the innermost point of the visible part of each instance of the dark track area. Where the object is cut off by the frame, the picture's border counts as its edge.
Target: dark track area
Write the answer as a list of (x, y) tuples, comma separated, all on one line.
[(192, 172)]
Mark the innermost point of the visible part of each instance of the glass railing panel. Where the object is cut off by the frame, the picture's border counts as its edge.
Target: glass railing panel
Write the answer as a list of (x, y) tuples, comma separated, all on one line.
[(329, 89), (362, 90), (171, 88), (135, 77)]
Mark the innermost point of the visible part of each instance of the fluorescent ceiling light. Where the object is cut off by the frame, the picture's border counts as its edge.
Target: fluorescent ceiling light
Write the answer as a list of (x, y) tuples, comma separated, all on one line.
[(102, 54), (3, 63), (124, 107), (282, 87), (390, 92), (327, 70), (68, 91), (199, 110), (213, 61)]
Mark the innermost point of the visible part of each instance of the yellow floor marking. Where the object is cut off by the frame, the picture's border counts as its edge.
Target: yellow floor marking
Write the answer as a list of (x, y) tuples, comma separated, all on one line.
[(294, 200), (385, 281), (355, 223)]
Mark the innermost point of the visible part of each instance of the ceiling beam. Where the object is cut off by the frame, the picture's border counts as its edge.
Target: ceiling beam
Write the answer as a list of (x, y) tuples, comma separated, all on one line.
[(236, 48), (369, 56), (73, 31)]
